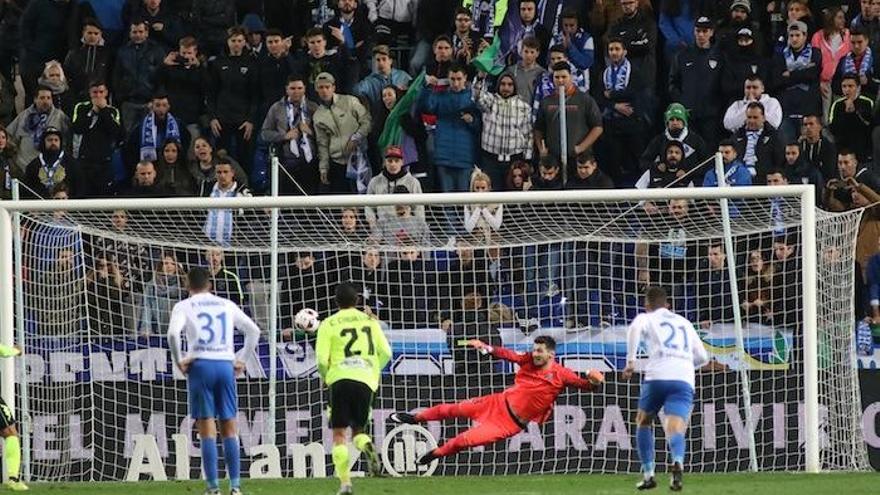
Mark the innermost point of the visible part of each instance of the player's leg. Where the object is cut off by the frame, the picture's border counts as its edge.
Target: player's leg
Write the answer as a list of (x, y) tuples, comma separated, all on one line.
[(677, 408), (362, 405), (226, 397), (649, 403), (470, 408), (488, 432), (202, 408), (12, 449), (341, 414)]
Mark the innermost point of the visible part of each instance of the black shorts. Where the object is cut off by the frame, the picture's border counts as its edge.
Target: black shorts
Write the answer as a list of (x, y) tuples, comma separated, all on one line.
[(6, 417), (350, 404)]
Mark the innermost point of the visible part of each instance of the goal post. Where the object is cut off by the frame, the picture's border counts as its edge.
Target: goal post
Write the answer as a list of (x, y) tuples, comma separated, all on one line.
[(565, 263)]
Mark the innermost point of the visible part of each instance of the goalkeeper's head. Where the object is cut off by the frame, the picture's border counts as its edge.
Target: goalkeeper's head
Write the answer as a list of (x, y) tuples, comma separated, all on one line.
[(655, 298), (346, 296), (543, 351), (198, 280)]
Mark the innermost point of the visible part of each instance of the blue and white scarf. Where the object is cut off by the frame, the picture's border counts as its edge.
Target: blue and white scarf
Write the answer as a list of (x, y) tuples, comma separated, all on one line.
[(797, 62), (751, 158), (35, 125), (867, 65), (51, 174), (616, 77), (483, 14), (301, 147), (150, 135), (358, 168), (218, 224)]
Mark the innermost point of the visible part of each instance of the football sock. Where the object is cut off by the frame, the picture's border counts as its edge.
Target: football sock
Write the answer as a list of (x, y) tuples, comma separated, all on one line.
[(677, 447), (340, 461), (12, 453), (361, 440), (232, 453), (645, 444), (209, 461)]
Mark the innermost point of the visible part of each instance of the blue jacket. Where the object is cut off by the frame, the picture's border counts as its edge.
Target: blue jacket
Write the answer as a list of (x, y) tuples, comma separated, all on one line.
[(873, 279), (738, 177), (581, 50), (678, 31), (455, 141)]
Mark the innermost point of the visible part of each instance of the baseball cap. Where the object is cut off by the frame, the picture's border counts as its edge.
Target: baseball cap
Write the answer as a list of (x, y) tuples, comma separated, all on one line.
[(325, 77), (744, 32), (704, 22), (742, 4), (393, 152), (798, 26)]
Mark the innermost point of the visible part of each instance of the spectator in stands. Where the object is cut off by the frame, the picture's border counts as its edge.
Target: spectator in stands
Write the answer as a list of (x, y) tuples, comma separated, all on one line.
[(167, 287), (232, 100), (8, 169), (833, 40), (739, 63), (507, 126), (317, 60), (624, 112), (341, 127), (736, 173), (352, 28), (738, 18), (673, 262), (669, 172), (819, 152), (519, 176), (26, 131), (578, 43), (757, 295), (694, 81), (211, 19), (371, 278), (432, 20), (714, 302), (97, 130), (840, 191), (483, 221), (219, 224), (224, 281), (786, 303), (677, 25), (549, 176), (469, 319), (174, 174), (850, 119), (798, 170), (677, 129), (588, 175), (183, 76), (545, 85), (583, 118), (637, 30), (403, 227), (145, 183), (513, 33), (604, 13), (306, 285), (384, 74), (859, 61), (758, 143), (158, 126), (53, 78), (441, 61), (288, 126), (868, 21), (52, 166), (134, 259), (735, 117), (134, 73), (392, 20), (407, 300), (392, 177), (106, 294), (457, 133), (256, 34), (43, 34), (61, 290), (164, 24), (796, 79), (526, 73), (274, 70), (465, 41), (7, 99), (351, 225), (202, 167)]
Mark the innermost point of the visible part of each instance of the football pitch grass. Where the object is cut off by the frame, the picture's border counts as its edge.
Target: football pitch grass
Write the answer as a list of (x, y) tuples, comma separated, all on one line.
[(703, 484)]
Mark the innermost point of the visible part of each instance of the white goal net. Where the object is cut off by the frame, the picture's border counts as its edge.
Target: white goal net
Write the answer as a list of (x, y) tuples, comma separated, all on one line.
[(96, 289)]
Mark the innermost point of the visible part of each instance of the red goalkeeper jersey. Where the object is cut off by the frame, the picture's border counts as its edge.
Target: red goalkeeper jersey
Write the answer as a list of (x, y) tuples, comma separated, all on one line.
[(535, 390)]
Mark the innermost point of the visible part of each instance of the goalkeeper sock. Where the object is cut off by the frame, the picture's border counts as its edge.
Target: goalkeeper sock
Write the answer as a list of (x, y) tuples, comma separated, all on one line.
[(12, 455), (209, 462), (340, 461), (232, 453), (677, 447), (361, 440), (645, 444)]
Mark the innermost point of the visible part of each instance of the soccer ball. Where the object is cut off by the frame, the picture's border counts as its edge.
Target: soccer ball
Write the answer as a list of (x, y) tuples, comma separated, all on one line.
[(307, 320)]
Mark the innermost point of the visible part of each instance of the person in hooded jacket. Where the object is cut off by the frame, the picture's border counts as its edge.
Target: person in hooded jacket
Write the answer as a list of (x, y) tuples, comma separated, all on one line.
[(669, 172), (91, 61), (507, 126), (588, 175), (52, 166), (392, 176), (740, 61)]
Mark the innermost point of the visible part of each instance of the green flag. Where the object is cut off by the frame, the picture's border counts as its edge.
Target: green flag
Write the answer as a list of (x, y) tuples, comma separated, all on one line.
[(488, 61), (392, 131)]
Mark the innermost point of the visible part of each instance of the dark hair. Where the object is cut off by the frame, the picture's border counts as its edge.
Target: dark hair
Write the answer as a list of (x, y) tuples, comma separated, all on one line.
[(656, 297), (137, 21), (617, 39), (274, 32), (529, 1), (198, 278), (440, 38), (727, 142), (754, 77), (756, 104), (858, 31), (457, 68), (43, 87), (813, 114), (850, 76), (97, 82), (561, 66), (549, 161), (585, 157), (181, 157), (558, 48), (346, 295), (531, 42), (159, 95), (846, 152), (548, 342), (91, 21), (315, 31), (569, 13), (828, 20), (716, 243), (294, 78), (236, 31), (463, 11), (776, 169), (188, 42), (60, 187)]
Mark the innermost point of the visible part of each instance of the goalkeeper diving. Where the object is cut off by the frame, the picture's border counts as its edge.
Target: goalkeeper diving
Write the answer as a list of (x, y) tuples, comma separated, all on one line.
[(538, 383), (12, 447)]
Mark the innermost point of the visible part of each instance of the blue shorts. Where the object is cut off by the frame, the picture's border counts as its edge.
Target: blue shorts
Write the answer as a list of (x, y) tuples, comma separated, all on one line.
[(674, 396), (212, 391)]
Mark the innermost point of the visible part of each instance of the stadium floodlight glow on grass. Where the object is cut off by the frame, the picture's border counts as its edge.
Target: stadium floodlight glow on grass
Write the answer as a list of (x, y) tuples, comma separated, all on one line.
[(566, 263)]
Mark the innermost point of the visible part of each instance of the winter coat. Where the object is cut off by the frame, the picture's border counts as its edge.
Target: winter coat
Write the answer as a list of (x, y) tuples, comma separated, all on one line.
[(371, 86), (830, 59), (275, 127), (43, 31), (232, 97), (694, 81), (769, 151), (334, 127), (455, 141), (799, 91), (383, 183), (160, 296), (135, 71), (23, 138), (211, 19), (85, 64)]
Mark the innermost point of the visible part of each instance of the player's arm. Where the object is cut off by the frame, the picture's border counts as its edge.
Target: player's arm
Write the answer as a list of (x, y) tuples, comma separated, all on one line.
[(251, 332), (701, 357), (322, 348), (590, 381), (500, 352), (633, 336), (175, 327), (383, 348)]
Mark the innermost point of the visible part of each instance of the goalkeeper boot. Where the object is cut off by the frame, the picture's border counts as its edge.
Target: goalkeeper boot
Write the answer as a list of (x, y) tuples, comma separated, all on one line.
[(374, 466), (403, 418), (647, 484), (675, 481), (345, 490), (427, 458), (16, 485)]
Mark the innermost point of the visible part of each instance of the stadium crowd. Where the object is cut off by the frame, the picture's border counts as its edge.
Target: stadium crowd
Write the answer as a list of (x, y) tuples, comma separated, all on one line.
[(155, 98)]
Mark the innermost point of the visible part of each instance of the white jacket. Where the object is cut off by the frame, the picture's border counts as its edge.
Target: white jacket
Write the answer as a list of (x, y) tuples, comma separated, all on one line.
[(735, 117), (393, 10)]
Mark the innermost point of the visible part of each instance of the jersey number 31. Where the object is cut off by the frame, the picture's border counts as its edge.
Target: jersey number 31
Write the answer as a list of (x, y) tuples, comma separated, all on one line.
[(209, 324)]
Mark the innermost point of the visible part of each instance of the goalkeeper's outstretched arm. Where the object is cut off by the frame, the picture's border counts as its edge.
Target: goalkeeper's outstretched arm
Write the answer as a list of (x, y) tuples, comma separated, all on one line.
[(7, 351), (500, 352)]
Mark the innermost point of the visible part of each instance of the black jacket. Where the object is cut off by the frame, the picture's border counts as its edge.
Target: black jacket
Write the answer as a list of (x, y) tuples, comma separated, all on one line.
[(211, 19), (798, 92), (186, 88), (598, 180), (272, 74), (85, 64), (336, 64), (694, 81), (100, 133), (737, 64), (43, 30), (769, 151), (852, 130), (361, 30), (135, 71), (821, 156), (639, 34), (695, 149), (232, 95)]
